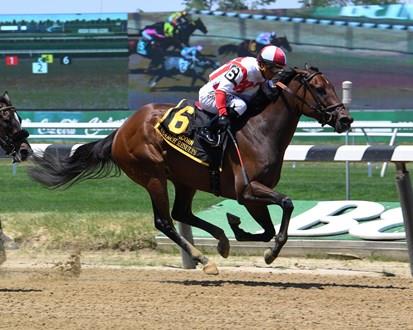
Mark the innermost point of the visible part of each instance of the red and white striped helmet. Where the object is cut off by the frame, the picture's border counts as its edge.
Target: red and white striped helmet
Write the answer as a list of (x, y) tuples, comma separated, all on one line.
[(272, 55)]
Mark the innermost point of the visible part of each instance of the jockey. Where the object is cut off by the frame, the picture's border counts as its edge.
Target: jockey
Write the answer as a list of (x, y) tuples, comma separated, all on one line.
[(154, 32), (159, 31), (169, 29), (234, 84), (266, 38), (179, 18), (191, 53)]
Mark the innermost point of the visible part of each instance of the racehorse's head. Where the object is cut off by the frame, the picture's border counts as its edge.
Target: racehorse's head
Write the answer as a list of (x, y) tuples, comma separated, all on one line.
[(200, 25), (185, 30), (283, 43), (13, 139), (317, 98)]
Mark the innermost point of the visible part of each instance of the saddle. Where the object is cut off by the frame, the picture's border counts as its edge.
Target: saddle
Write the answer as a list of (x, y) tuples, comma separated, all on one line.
[(182, 128)]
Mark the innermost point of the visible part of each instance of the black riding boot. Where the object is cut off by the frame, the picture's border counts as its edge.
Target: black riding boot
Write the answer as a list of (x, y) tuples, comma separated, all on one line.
[(211, 137)]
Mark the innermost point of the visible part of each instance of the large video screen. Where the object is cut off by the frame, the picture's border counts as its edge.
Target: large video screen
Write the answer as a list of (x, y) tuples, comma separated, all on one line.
[(63, 61), (372, 53)]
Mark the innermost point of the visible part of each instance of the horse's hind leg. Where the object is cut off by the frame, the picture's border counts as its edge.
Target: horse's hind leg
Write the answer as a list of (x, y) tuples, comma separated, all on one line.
[(182, 212), (261, 216), (154, 80), (157, 189)]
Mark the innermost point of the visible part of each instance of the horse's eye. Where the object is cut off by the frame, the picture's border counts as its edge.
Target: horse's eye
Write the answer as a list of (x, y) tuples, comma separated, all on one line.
[(320, 90)]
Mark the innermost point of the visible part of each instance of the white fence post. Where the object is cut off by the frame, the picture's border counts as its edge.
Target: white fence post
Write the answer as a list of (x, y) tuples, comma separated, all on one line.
[(347, 85)]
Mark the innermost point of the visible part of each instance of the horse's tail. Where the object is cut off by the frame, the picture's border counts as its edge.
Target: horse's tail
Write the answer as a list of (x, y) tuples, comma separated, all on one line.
[(89, 161), (228, 48)]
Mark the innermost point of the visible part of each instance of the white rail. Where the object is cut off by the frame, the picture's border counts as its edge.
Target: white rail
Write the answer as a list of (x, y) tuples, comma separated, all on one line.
[(49, 130)]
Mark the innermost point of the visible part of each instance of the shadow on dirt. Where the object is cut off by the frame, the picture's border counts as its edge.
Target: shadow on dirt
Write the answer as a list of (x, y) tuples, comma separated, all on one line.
[(284, 285), (20, 290)]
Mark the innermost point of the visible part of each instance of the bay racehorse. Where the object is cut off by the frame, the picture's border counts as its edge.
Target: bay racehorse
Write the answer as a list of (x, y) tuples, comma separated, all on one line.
[(13, 139), (249, 172)]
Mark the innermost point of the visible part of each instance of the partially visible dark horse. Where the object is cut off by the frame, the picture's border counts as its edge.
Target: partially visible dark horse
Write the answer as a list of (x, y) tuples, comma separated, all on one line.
[(169, 46), (173, 66), (187, 30), (250, 47), (13, 139), (138, 149)]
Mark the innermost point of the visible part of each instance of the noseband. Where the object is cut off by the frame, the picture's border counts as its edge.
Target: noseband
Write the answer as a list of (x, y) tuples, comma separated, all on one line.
[(325, 112)]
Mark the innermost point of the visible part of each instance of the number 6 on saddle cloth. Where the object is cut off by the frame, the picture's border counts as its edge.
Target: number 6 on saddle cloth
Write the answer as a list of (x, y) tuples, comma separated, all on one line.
[(179, 127)]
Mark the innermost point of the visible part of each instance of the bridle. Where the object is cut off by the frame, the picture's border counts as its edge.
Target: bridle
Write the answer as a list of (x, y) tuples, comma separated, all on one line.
[(325, 113), (10, 143)]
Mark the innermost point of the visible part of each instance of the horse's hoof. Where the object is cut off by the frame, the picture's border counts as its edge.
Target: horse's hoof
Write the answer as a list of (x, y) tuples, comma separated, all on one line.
[(269, 256), (223, 247), (210, 268)]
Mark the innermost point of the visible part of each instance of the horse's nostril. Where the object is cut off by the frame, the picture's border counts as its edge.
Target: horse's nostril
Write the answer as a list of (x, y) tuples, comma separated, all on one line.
[(346, 120)]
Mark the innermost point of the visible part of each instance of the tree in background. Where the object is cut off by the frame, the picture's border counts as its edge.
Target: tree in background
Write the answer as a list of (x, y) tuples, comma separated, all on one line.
[(227, 5), (335, 3)]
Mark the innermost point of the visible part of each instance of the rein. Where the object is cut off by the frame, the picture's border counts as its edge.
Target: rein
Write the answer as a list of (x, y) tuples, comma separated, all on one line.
[(244, 172), (318, 107)]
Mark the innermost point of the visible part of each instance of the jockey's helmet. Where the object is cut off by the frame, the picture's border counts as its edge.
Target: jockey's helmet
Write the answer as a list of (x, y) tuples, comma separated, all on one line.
[(272, 56), (271, 59)]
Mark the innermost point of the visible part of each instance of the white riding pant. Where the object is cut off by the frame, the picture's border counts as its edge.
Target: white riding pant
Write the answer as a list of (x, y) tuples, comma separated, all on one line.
[(207, 101)]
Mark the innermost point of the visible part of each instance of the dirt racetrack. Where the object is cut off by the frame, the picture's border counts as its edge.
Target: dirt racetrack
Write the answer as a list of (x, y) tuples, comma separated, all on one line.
[(291, 294)]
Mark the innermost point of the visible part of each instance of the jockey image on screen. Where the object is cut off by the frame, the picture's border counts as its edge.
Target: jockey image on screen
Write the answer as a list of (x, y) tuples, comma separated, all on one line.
[(155, 41), (179, 18), (265, 38), (151, 34), (234, 84), (159, 31), (191, 53)]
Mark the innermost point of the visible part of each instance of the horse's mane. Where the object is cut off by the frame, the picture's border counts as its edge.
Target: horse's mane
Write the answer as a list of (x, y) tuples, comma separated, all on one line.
[(263, 98)]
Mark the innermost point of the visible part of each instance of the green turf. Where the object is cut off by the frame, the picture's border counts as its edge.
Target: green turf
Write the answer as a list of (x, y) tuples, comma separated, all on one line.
[(115, 213), (306, 181), (21, 194)]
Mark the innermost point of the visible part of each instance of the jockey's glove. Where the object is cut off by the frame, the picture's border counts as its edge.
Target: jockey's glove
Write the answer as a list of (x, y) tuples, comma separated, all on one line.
[(222, 123)]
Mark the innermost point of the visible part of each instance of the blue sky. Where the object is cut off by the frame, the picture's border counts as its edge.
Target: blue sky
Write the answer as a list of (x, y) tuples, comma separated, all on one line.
[(104, 6)]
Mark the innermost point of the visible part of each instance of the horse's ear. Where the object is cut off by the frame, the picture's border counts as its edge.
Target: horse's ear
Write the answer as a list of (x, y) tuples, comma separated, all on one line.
[(306, 67), (6, 98)]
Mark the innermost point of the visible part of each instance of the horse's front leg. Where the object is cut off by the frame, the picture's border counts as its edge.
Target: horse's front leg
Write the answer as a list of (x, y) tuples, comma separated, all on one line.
[(256, 195), (182, 212), (157, 189)]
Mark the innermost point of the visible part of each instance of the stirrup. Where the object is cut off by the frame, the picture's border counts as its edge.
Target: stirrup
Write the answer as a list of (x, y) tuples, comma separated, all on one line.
[(206, 135)]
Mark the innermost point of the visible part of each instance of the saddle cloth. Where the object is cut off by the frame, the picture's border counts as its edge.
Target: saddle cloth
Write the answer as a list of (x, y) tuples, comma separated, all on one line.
[(179, 127)]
